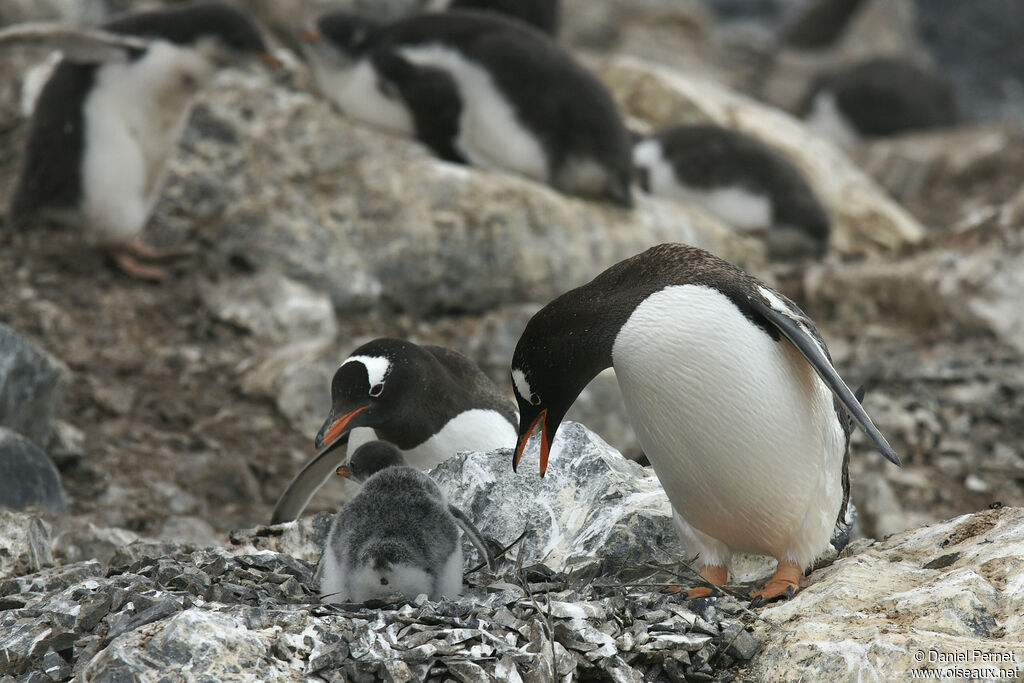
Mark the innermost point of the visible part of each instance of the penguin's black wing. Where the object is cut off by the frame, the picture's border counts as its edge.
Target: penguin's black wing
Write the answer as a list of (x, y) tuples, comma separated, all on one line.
[(308, 481), (797, 329), (473, 534), (77, 44), (433, 100)]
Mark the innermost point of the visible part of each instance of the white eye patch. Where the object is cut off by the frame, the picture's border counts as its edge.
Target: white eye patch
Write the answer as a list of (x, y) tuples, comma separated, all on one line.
[(523, 387), (377, 370)]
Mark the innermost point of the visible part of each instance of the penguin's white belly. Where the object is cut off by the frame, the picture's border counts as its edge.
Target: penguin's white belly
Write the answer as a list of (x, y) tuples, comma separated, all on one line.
[(472, 430), (134, 116), (490, 134), (740, 430), (735, 205), (356, 90), (826, 119)]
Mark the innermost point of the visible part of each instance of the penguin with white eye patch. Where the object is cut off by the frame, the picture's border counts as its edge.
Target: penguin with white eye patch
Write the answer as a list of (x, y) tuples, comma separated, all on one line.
[(397, 535), (111, 113), (479, 88), (732, 394), (739, 179), (429, 401)]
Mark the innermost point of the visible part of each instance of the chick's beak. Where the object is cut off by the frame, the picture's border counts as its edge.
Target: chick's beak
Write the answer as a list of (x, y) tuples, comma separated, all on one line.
[(311, 36), (545, 443), (335, 427), (270, 60)]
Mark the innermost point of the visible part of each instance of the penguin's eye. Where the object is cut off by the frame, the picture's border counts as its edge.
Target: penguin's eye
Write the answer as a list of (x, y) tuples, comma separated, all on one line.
[(376, 389), (535, 399)]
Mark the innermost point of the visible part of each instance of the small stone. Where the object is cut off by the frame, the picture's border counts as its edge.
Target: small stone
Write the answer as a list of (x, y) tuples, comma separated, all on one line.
[(91, 610), (28, 476), (32, 386), (55, 666)]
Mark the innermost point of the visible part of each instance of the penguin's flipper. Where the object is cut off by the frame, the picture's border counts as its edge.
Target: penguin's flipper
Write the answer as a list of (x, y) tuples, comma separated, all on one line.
[(308, 481), (432, 98), (473, 534), (795, 328), (76, 43)]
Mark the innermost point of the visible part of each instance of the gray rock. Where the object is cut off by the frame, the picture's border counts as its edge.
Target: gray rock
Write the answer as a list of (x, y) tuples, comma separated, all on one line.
[(32, 385), (28, 478), (25, 542), (347, 210)]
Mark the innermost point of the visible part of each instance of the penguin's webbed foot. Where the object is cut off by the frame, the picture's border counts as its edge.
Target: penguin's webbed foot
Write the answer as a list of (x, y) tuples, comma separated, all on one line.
[(129, 265), (782, 586), (718, 576)]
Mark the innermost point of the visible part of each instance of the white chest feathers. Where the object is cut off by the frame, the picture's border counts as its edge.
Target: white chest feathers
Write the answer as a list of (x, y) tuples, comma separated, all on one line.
[(472, 430), (134, 116), (740, 430), (356, 88), (827, 120), (734, 204)]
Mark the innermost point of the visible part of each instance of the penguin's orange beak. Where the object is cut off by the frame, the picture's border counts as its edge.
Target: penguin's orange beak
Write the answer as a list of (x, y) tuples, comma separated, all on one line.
[(545, 443), (311, 36), (270, 60), (334, 428), (343, 471)]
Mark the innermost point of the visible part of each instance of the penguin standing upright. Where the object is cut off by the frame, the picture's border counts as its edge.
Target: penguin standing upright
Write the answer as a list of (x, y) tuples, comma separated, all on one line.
[(398, 535), (738, 178), (429, 401), (731, 392), (104, 125), (497, 93)]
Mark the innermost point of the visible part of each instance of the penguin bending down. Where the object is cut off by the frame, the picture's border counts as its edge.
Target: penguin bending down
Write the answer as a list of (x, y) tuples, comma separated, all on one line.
[(878, 97), (738, 178), (398, 535), (479, 88), (429, 401), (732, 394), (111, 113)]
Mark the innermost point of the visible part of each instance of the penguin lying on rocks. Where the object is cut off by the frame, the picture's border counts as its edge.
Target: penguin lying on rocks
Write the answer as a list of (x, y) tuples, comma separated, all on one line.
[(111, 113), (429, 401), (398, 535), (732, 394), (738, 178), (479, 88)]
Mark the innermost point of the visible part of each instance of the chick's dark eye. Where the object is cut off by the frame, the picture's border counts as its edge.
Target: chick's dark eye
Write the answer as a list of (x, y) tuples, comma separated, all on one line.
[(376, 389), (535, 399)]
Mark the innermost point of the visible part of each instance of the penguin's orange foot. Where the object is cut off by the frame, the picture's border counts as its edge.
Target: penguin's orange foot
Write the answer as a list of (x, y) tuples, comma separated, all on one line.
[(716, 575), (782, 586), (135, 268)]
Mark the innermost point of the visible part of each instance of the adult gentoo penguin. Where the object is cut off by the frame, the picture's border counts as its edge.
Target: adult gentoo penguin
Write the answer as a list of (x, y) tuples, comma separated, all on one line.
[(738, 178), (397, 535), (878, 97), (479, 88), (106, 121), (429, 401), (731, 392)]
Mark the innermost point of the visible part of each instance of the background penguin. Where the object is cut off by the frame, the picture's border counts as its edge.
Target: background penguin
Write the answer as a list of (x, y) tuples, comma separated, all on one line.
[(429, 401), (102, 130), (739, 179), (732, 395), (398, 535), (541, 14), (878, 97), (515, 100)]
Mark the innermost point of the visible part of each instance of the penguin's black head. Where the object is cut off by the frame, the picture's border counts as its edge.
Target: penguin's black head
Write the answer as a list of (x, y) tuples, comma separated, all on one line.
[(350, 34), (226, 29), (371, 389), (372, 457), (562, 348)]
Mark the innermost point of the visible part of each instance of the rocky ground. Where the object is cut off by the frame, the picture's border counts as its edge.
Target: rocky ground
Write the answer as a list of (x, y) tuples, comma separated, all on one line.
[(190, 404)]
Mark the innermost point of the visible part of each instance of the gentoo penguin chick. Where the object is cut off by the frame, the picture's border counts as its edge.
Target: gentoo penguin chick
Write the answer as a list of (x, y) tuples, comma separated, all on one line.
[(731, 392), (739, 179), (878, 97), (541, 14), (397, 535), (104, 127), (480, 88), (429, 401)]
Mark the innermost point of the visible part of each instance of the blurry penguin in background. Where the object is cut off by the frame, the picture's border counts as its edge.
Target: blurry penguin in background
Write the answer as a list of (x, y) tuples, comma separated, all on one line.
[(111, 113), (398, 535), (739, 179), (876, 98), (478, 88), (541, 14)]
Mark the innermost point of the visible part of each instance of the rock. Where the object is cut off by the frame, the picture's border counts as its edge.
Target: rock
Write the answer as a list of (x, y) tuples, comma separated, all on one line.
[(591, 503), (863, 218), (25, 546), (347, 210), (921, 598), (32, 386), (27, 475)]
